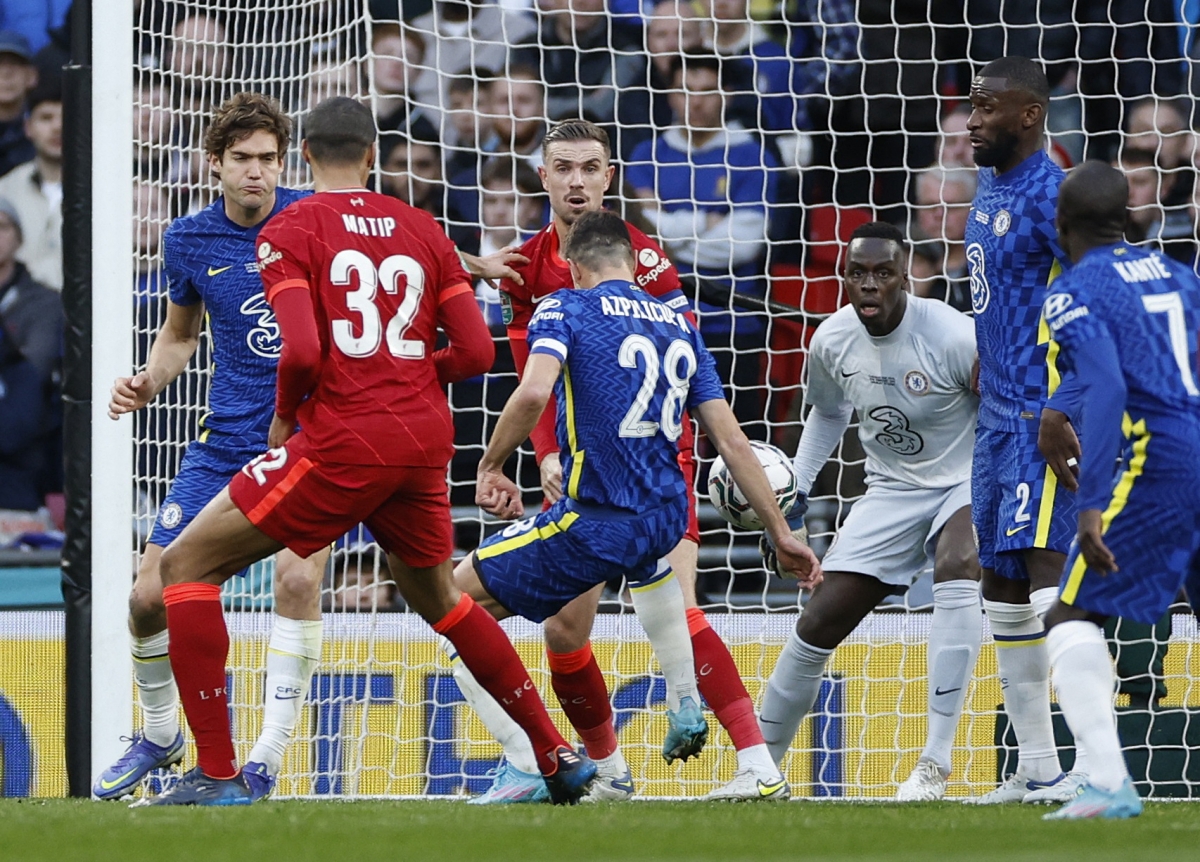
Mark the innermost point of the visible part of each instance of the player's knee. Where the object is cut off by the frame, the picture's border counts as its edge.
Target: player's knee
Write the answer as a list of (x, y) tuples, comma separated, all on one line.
[(564, 634), (815, 629), (956, 564), (146, 609), (297, 588)]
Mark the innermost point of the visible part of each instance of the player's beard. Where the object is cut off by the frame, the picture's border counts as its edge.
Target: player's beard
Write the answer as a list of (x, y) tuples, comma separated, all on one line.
[(998, 152)]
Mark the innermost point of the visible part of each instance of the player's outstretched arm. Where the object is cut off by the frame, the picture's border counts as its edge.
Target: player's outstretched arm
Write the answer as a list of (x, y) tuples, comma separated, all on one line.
[(495, 266), (722, 427), (471, 351), (494, 492), (169, 355)]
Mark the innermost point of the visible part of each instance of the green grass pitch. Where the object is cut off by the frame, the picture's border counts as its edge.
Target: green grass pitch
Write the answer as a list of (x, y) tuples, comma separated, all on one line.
[(33, 830)]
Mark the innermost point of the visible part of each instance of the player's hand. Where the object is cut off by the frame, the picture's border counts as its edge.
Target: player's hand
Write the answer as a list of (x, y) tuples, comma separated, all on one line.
[(498, 265), (783, 566), (1059, 445), (794, 559), (1091, 543), (130, 394), (280, 432), (551, 472), (498, 495)]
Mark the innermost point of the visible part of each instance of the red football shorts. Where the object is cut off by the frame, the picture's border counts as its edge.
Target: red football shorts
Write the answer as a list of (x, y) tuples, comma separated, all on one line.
[(305, 504)]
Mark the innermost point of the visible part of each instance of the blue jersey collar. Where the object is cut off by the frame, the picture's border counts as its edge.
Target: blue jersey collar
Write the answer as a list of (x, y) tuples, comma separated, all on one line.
[(1031, 164)]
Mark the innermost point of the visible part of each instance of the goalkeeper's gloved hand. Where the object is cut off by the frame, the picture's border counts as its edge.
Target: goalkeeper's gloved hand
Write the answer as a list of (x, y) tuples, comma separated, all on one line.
[(795, 519)]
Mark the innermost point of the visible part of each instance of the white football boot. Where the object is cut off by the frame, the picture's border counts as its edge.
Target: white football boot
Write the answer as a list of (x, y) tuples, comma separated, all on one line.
[(926, 784)]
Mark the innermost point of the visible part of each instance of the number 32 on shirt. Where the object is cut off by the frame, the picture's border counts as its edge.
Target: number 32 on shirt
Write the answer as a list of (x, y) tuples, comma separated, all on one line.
[(361, 301)]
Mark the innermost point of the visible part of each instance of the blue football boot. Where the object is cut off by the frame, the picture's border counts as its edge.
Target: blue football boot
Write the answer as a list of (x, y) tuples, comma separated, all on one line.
[(511, 786), (196, 788), (140, 758), (1095, 804), (261, 781), (572, 776), (687, 733)]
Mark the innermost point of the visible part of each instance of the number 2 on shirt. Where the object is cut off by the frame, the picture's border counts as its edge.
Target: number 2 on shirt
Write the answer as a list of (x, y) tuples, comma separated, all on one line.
[(362, 301)]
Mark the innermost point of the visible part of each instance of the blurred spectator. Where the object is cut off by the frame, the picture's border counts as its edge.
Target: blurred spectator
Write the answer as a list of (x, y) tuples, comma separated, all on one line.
[(35, 188), (706, 186), (469, 121), (584, 56), (760, 78), (362, 582), (17, 77), (1158, 126), (459, 36), (329, 76), (412, 171), (32, 312), (1171, 227), (939, 260), (672, 29), (154, 156), (954, 145), (22, 403), (517, 108), (33, 19), (397, 55), (512, 208), (197, 59)]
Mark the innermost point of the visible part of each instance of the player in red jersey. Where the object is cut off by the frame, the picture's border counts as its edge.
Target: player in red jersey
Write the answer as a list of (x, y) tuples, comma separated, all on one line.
[(360, 283), (576, 175)]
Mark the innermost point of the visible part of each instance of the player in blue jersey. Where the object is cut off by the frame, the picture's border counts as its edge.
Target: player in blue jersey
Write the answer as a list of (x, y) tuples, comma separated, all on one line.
[(1127, 320), (211, 264), (1022, 518), (624, 367)]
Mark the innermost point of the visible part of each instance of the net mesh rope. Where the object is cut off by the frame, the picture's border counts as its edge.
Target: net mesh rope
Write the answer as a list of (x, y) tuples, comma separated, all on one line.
[(463, 92)]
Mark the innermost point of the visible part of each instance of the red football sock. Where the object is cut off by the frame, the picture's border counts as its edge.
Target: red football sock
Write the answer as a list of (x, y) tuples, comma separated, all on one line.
[(579, 684), (488, 653), (199, 648), (721, 684)]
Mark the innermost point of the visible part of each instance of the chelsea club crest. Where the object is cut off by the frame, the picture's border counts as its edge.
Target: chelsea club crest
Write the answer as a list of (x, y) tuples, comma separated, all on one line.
[(1002, 222)]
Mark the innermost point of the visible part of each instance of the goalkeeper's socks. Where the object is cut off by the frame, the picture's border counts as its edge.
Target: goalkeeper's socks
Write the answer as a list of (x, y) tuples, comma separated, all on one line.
[(579, 684), (486, 650), (721, 684), (791, 692), (661, 611), (199, 649), (1083, 678), (954, 637), (292, 655), (158, 695), (1024, 669), (507, 732)]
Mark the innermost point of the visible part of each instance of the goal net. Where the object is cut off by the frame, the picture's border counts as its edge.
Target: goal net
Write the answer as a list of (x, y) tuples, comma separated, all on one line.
[(835, 113)]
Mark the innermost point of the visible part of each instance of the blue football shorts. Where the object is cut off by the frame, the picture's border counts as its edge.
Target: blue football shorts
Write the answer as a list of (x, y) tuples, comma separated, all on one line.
[(205, 470), (1153, 531), (536, 566), (1016, 501)]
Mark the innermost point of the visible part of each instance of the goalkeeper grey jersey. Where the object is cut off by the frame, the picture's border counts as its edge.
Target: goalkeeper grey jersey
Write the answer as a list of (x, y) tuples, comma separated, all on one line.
[(911, 389)]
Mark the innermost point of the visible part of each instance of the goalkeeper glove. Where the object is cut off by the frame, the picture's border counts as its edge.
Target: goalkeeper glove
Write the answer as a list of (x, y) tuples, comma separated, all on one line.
[(795, 519)]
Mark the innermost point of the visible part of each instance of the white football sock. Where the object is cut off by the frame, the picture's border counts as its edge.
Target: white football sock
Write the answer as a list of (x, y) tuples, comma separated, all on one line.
[(661, 611), (1042, 600), (756, 758), (158, 695), (1025, 681), (1084, 680), (517, 748), (791, 692), (954, 636), (612, 766), (293, 653)]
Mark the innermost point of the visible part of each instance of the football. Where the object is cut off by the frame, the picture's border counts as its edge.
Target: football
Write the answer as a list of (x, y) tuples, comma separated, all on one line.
[(727, 497)]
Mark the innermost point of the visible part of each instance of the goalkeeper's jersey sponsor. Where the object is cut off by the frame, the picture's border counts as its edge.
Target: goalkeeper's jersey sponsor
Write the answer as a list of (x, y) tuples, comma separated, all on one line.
[(210, 259), (631, 366), (911, 389), (1013, 254)]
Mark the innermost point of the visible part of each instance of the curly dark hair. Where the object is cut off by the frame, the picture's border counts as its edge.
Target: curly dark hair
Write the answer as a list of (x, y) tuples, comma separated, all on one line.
[(241, 116)]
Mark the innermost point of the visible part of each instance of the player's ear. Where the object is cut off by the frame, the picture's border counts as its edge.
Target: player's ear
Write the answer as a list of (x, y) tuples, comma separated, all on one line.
[(576, 275), (304, 152), (608, 176), (1035, 114), (542, 175), (371, 153)]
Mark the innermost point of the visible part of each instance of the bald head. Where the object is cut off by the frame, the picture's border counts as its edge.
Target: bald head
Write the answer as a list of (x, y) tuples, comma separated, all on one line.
[(1092, 204)]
